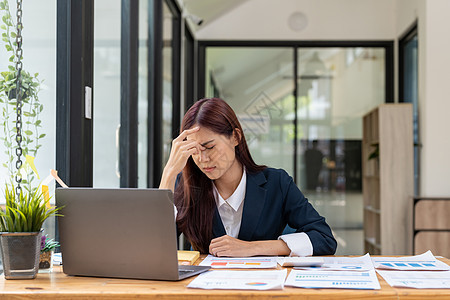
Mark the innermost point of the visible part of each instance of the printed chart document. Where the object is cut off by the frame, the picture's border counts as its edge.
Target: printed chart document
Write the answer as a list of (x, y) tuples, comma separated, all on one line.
[(422, 262), (360, 263), (417, 279), (333, 279), (269, 262), (240, 280)]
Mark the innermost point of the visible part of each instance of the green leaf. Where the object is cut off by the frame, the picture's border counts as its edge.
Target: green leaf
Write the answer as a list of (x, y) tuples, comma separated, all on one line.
[(42, 135), (28, 132), (13, 35)]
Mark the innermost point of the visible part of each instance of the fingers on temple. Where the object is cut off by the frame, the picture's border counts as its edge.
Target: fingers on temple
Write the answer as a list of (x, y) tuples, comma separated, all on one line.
[(187, 132)]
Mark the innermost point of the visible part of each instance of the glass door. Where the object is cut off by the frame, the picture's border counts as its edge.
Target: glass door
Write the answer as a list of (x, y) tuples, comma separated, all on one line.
[(106, 108), (167, 103), (408, 89), (258, 83), (316, 136), (336, 87)]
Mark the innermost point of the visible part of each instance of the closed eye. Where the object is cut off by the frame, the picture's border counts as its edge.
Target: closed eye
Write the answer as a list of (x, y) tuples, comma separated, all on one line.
[(209, 148)]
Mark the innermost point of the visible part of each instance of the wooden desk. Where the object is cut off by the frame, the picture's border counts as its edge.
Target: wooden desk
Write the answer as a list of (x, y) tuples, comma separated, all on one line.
[(57, 285)]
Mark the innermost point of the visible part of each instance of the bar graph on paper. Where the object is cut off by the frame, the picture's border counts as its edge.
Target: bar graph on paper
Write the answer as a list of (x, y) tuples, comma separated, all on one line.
[(333, 279), (240, 262)]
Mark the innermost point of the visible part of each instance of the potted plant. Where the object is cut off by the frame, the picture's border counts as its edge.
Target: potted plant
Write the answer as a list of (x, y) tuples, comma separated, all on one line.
[(48, 246), (21, 229)]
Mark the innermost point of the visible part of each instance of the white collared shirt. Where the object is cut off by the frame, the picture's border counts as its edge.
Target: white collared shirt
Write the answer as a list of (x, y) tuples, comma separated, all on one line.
[(230, 211)]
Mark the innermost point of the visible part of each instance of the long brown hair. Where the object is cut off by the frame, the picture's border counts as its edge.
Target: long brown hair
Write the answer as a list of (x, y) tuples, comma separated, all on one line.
[(194, 197)]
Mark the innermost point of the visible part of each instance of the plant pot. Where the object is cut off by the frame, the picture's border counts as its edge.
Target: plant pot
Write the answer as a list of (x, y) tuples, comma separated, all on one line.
[(20, 254), (12, 94), (46, 262)]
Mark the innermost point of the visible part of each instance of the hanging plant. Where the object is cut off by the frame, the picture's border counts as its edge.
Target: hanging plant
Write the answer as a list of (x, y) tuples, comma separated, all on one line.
[(31, 106)]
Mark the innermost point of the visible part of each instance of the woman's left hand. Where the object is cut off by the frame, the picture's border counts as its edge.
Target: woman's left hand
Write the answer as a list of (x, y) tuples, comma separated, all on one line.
[(229, 246)]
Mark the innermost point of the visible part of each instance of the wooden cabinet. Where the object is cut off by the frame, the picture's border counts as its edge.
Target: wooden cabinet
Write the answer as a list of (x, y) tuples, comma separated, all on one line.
[(388, 179), (432, 225)]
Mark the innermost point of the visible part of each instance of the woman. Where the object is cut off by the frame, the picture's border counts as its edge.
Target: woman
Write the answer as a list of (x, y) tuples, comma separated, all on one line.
[(227, 204)]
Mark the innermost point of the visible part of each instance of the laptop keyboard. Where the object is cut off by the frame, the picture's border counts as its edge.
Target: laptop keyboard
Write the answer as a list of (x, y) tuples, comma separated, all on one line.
[(183, 271)]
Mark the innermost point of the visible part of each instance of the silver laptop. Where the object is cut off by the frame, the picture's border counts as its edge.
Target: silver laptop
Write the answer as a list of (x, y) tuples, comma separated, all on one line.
[(123, 233)]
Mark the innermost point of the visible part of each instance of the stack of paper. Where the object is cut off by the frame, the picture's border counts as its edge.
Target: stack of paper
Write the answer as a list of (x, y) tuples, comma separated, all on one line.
[(324, 272), (187, 257), (417, 279), (333, 279), (420, 271), (336, 272), (360, 263), (422, 262)]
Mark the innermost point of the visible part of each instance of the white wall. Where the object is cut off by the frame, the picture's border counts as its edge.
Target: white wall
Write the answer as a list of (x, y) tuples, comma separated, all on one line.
[(434, 63), (406, 14), (327, 20)]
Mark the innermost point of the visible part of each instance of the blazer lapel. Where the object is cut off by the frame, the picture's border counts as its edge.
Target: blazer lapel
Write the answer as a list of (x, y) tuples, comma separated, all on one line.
[(218, 229), (255, 196)]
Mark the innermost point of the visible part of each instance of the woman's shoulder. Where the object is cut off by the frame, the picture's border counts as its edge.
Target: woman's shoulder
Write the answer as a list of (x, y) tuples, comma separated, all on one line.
[(275, 174), (275, 171), (274, 179)]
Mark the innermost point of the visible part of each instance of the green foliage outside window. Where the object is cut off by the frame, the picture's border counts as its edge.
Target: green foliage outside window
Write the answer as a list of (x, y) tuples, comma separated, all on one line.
[(31, 109)]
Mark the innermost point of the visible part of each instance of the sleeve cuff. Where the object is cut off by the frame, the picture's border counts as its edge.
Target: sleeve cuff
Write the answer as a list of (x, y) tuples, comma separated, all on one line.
[(299, 243)]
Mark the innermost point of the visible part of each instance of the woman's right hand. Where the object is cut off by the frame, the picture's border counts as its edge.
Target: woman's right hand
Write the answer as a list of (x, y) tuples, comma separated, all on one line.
[(182, 149)]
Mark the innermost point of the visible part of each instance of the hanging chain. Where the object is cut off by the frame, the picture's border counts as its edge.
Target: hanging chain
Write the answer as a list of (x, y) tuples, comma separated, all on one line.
[(19, 95)]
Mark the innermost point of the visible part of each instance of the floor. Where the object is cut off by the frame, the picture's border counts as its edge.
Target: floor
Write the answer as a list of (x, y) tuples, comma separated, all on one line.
[(344, 213)]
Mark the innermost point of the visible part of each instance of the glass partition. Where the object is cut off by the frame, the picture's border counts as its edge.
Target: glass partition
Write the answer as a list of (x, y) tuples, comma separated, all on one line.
[(408, 89), (258, 84), (167, 53), (106, 108), (335, 88), (39, 56), (143, 94), (39, 41)]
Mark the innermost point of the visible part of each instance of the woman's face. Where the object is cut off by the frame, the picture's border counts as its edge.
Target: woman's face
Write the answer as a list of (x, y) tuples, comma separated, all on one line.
[(218, 154)]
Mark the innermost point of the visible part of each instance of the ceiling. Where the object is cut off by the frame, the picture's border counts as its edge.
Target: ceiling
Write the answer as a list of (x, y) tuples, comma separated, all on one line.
[(209, 10)]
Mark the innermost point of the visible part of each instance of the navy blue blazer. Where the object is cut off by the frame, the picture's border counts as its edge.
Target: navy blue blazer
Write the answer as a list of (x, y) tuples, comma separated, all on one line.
[(272, 201)]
